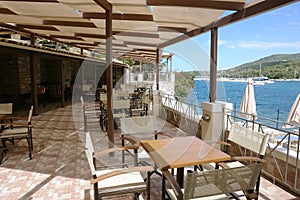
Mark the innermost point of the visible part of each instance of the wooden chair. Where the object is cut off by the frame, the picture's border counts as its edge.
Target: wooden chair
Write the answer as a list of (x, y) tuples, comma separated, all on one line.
[(6, 111), (251, 145), (140, 108), (20, 128), (120, 110), (221, 183), (137, 128), (91, 112), (115, 181)]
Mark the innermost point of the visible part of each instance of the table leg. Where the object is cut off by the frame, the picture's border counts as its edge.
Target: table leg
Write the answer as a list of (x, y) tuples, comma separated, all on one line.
[(180, 176), (163, 187)]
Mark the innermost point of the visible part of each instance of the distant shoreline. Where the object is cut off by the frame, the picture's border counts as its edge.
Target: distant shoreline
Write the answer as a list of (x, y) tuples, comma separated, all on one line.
[(239, 79)]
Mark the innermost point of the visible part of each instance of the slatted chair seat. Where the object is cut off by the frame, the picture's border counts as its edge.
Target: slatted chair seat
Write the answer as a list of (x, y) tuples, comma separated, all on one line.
[(118, 184)]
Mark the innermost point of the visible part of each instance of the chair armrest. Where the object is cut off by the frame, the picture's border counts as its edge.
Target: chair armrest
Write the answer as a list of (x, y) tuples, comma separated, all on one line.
[(135, 144), (111, 150), (17, 125), (121, 171), (164, 134), (107, 151), (240, 159)]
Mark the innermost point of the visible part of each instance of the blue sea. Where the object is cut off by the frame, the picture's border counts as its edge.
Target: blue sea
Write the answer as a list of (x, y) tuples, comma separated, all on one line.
[(273, 100)]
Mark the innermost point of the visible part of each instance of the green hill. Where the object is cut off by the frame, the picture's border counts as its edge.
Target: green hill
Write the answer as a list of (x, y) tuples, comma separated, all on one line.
[(278, 66)]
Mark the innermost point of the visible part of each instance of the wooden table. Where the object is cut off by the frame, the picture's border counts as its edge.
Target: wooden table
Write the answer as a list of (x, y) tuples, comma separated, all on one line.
[(180, 152)]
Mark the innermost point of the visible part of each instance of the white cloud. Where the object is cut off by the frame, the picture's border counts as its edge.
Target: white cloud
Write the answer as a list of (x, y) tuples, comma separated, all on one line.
[(268, 45), (261, 45), (222, 42)]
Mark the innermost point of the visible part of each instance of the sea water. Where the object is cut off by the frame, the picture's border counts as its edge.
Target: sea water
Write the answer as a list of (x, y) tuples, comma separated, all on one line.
[(273, 100)]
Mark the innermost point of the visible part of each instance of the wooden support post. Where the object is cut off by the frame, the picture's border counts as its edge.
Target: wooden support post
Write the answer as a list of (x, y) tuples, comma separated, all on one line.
[(34, 97), (62, 84), (213, 65), (109, 79)]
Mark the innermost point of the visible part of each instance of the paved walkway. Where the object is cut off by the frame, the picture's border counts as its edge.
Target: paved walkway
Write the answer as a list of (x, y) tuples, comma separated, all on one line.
[(59, 169)]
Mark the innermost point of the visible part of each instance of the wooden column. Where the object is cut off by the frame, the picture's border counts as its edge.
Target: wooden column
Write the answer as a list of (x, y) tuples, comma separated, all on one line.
[(157, 69), (109, 79), (213, 65), (34, 97), (62, 85)]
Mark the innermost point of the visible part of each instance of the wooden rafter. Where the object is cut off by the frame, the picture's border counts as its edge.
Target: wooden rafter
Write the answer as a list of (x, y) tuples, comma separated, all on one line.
[(171, 29), (118, 16), (141, 44), (69, 23), (215, 4), (36, 27), (87, 35), (138, 34)]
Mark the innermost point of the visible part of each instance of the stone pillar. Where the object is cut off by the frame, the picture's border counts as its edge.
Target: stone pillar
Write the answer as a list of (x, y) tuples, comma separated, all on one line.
[(213, 120), (156, 103)]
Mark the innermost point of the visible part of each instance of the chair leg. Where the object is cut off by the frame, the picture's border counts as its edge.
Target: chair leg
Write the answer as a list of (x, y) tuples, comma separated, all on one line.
[(29, 147), (2, 154), (148, 186)]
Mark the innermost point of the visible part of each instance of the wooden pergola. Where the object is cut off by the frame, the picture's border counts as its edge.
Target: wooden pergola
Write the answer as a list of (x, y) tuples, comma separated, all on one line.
[(138, 29)]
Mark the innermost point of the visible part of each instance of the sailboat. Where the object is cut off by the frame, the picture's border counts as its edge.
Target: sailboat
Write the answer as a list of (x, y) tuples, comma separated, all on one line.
[(261, 80)]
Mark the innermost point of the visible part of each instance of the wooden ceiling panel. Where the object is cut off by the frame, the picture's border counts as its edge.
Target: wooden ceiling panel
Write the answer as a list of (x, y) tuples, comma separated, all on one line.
[(139, 26), (40, 9), (185, 17)]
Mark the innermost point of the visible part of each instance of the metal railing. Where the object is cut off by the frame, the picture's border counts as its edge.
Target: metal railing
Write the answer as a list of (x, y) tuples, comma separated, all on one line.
[(188, 111)]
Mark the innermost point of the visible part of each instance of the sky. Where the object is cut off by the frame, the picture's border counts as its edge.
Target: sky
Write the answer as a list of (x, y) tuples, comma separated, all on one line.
[(274, 32)]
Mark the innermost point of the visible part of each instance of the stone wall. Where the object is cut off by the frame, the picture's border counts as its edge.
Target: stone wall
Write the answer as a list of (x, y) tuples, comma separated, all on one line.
[(15, 76)]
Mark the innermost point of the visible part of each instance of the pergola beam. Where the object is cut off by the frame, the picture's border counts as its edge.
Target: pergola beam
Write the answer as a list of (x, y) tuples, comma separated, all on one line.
[(251, 11), (215, 4), (69, 23), (118, 16)]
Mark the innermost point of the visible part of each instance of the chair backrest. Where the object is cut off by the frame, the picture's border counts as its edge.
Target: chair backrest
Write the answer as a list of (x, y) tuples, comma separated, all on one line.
[(103, 97), (86, 87), (138, 124), (89, 151), (6, 108), (248, 138), (121, 104), (221, 181)]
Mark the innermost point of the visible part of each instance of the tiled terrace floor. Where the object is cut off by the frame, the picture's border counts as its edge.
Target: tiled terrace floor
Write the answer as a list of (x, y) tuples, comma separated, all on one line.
[(59, 169)]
